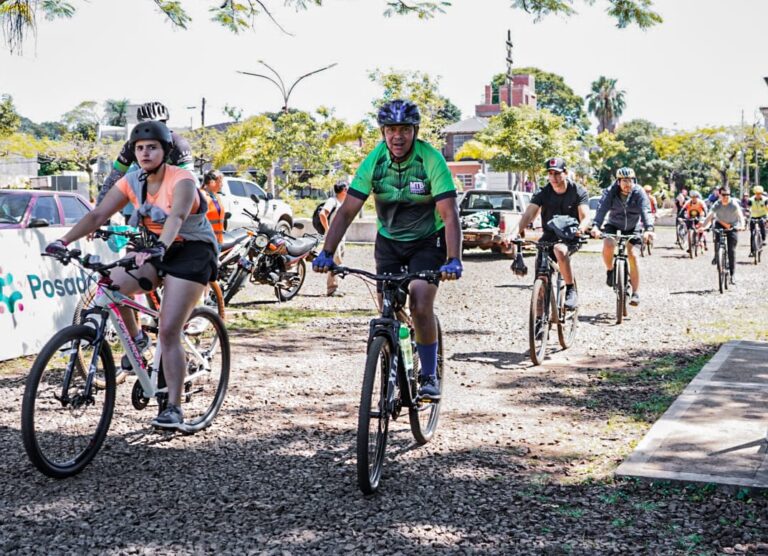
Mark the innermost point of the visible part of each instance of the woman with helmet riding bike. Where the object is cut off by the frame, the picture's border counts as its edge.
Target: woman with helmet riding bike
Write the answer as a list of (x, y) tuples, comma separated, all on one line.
[(418, 221), (183, 253)]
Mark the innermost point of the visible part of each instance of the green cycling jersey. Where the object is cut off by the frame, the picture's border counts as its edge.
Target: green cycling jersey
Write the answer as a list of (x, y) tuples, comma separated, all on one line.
[(405, 192)]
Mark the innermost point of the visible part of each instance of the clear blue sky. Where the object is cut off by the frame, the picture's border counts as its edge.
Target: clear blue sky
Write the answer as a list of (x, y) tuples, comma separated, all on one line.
[(702, 66)]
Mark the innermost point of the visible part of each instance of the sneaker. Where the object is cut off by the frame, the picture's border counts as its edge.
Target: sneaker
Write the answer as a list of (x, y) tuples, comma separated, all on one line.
[(430, 387), (142, 344), (197, 326), (171, 418), (714, 260), (571, 299), (634, 300), (733, 282), (609, 278)]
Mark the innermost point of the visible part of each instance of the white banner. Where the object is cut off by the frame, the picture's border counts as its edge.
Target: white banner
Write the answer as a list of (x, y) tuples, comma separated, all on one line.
[(38, 294)]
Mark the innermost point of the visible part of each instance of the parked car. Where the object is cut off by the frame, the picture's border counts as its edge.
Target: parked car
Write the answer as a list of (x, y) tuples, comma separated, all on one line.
[(490, 218), (236, 196), (36, 208)]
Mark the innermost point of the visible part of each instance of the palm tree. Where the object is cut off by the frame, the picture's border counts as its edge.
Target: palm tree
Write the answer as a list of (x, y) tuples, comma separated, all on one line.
[(606, 103)]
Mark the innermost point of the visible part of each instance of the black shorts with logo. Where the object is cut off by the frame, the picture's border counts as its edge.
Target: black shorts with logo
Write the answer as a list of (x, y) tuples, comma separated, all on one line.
[(394, 257), (195, 261), (610, 229)]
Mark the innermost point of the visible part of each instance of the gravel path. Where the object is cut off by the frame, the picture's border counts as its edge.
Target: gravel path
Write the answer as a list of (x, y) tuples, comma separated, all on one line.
[(522, 461)]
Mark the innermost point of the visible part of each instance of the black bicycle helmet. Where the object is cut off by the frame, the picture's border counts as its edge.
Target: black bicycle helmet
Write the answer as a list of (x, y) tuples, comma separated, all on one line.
[(399, 112), (152, 130), (152, 111)]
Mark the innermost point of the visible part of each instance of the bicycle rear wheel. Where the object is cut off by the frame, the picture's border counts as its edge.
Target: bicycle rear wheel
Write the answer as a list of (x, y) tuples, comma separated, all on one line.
[(62, 426), (215, 299), (539, 322), (691, 243), (206, 343), (373, 416), (568, 321), (619, 284), (425, 417)]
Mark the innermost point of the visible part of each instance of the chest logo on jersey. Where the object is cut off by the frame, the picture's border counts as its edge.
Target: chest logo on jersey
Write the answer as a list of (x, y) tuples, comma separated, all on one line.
[(417, 187)]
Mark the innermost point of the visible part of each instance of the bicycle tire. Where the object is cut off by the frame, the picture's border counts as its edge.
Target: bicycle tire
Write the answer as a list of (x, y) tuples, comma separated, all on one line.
[(370, 456), (619, 282), (86, 302), (206, 343), (215, 299), (233, 285), (42, 411), (567, 322), (429, 413), (649, 246), (690, 243), (757, 244), (720, 270), (538, 326), (286, 294)]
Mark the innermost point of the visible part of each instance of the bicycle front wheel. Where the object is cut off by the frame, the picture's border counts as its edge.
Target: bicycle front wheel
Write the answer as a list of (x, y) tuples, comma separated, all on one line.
[(619, 282), (373, 416), (568, 321), (539, 321), (64, 423), (424, 418), (206, 344), (721, 278)]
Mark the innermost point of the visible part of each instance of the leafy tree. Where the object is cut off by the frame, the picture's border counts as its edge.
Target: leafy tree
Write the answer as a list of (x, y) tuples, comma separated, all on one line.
[(554, 94), (602, 149), (450, 112), (205, 143), (521, 138), (19, 17), (81, 151), (83, 119), (712, 149), (233, 112), (20, 144), (420, 88), (640, 155), (606, 102), (115, 111), (9, 118), (45, 130)]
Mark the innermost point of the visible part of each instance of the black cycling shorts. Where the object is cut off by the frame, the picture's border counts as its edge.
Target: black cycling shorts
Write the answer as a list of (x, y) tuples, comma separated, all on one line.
[(195, 261), (395, 257), (610, 229)]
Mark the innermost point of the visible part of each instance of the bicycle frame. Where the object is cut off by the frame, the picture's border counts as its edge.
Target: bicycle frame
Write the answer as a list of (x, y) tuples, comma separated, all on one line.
[(545, 268)]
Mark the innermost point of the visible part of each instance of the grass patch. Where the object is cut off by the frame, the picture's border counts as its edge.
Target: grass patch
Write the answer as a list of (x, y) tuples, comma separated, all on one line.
[(267, 318), (16, 366)]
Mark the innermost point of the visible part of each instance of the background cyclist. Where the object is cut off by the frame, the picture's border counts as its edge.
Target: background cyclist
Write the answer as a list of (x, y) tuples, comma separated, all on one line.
[(727, 216), (758, 209), (560, 197), (627, 206), (170, 208), (417, 219)]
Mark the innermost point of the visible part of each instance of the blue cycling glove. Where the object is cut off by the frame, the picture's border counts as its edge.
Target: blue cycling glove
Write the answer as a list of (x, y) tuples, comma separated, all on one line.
[(453, 266), (323, 262)]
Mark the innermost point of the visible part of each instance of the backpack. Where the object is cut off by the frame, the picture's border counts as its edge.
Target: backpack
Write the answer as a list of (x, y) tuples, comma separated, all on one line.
[(316, 218)]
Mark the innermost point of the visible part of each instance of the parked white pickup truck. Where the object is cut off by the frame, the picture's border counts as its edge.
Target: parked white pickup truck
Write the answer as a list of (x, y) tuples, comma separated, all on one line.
[(490, 218)]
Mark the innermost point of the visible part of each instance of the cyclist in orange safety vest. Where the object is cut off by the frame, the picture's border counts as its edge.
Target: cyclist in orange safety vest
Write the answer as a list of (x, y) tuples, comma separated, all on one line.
[(215, 214)]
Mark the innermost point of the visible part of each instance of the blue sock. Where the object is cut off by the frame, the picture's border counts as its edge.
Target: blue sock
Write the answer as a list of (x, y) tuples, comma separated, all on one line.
[(428, 358)]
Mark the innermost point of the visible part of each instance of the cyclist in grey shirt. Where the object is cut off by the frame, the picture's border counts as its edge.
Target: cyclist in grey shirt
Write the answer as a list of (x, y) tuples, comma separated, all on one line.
[(727, 216)]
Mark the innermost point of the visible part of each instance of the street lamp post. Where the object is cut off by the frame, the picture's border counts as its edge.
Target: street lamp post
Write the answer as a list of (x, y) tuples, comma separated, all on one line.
[(280, 84), (190, 108)]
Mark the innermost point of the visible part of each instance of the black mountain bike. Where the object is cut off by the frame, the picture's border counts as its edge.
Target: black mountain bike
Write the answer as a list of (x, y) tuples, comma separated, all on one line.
[(680, 234), (721, 258), (756, 238), (621, 284), (389, 385), (548, 303)]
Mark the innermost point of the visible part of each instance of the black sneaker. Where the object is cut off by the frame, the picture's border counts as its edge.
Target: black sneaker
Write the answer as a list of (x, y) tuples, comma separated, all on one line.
[(609, 278), (714, 260), (430, 387), (571, 299), (142, 344), (733, 282), (171, 418)]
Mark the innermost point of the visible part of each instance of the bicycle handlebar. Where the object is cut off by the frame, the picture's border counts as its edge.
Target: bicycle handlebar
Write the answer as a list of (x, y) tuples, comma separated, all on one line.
[(545, 244), (92, 262), (423, 274), (625, 237)]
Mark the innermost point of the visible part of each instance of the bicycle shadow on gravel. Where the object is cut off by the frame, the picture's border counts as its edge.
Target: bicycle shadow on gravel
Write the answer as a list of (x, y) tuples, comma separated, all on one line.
[(286, 491), (499, 359), (599, 318), (694, 292)]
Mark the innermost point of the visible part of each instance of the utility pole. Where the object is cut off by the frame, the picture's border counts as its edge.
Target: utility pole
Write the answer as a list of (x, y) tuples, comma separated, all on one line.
[(509, 92)]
